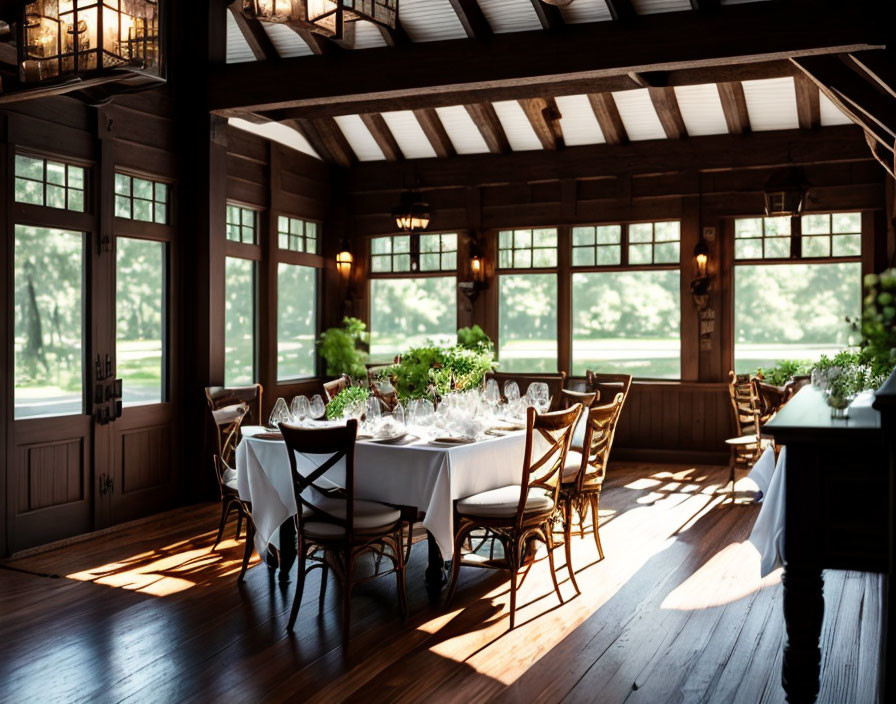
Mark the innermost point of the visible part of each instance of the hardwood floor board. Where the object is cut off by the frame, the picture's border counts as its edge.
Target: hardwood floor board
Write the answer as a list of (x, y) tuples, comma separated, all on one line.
[(148, 614)]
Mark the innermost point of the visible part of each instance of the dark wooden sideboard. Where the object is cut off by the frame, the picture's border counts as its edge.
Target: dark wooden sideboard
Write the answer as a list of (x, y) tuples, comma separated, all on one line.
[(836, 517)]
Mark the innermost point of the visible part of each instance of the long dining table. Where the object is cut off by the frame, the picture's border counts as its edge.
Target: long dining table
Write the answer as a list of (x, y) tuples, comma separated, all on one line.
[(411, 472)]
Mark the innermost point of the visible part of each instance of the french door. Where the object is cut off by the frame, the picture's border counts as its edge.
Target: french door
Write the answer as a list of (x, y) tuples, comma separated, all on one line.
[(93, 428)]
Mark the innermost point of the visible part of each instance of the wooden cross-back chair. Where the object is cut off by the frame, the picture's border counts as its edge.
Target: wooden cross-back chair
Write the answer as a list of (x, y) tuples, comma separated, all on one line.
[(746, 446), (334, 528), (229, 408), (608, 385), (518, 515), (332, 388), (584, 472), (523, 381)]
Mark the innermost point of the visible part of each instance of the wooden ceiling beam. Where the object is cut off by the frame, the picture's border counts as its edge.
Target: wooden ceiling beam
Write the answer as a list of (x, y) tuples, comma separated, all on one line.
[(545, 120), (736, 34), (382, 135), (880, 67), (705, 5), (666, 105), (852, 90), (327, 140), (549, 15), (608, 118), (808, 106), (734, 105), (435, 132), (472, 18), (575, 86), (258, 40), (621, 10), (486, 119), (319, 44), (394, 37), (842, 144)]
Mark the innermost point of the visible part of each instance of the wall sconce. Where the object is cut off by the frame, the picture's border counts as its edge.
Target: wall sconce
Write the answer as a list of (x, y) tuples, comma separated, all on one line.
[(701, 256), (472, 288), (700, 287), (344, 261)]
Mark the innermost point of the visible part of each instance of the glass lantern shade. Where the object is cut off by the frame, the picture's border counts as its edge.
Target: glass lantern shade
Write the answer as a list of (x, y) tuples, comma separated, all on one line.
[(81, 38), (326, 17), (344, 262), (412, 213)]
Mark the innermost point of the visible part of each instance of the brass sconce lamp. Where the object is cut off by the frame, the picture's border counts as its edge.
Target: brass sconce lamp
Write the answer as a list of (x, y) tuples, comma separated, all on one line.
[(477, 281)]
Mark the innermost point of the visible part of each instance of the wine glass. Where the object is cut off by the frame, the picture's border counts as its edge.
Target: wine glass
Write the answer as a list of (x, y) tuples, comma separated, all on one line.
[(279, 413), (300, 408), (511, 391), (317, 406), (539, 396), (492, 393), (374, 413)]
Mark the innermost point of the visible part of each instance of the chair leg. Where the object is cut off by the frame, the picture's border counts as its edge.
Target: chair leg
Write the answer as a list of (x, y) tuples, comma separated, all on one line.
[(410, 543), (595, 503), (347, 599), (550, 543), (300, 587), (239, 523), (247, 551), (399, 575), (225, 509), (455, 564), (514, 562), (324, 572), (567, 542)]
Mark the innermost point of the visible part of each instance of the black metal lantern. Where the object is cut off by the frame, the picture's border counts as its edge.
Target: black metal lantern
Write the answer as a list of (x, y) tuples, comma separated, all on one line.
[(327, 17), (85, 42), (412, 213), (784, 192)]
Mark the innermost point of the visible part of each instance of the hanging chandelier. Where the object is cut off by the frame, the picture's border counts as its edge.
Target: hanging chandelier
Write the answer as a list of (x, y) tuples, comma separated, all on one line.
[(412, 213), (74, 44), (327, 17)]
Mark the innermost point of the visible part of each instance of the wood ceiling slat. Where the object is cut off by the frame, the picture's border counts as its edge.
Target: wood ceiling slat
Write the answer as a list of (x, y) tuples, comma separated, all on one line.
[(545, 120), (435, 132), (621, 10), (667, 110), (608, 118), (319, 45), (472, 18), (258, 40), (734, 104), (486, 119), (382, 135), (808, 105)]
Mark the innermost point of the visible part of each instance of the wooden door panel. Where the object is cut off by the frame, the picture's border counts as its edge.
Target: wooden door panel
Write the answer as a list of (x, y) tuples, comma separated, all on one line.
[(53, 474)]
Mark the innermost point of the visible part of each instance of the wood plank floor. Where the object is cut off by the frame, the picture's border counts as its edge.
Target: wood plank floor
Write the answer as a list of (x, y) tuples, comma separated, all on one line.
[(674, 613)]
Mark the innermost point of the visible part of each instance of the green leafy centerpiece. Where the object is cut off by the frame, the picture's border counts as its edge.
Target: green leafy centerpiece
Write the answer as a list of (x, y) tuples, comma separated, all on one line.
[(346, 400)]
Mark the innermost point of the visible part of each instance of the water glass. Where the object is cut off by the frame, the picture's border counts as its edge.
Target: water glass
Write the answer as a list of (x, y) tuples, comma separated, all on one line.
[(318, 407), (279, 413), (511, 391), (300, 409), (539, 396)]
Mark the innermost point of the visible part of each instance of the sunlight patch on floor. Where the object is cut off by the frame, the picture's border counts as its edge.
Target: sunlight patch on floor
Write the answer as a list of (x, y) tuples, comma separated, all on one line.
[(170, 570)]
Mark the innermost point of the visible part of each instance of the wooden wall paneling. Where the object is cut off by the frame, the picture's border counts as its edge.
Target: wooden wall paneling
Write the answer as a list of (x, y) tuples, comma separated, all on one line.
[(266, 324), (726, 296), (7, 372)]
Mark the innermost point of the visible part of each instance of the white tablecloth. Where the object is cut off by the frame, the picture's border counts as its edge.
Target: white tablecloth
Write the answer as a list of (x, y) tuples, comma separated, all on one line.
[(428, 477), (768, 531)]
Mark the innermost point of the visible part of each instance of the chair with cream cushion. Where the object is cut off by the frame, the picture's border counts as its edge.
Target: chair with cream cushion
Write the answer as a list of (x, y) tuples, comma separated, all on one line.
[(584, 472), (333, 527), (519, 514)]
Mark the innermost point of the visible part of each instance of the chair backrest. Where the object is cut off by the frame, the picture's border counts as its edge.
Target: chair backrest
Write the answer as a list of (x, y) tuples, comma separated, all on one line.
[(547, 439), (328, 446), (331, 388), (228, 408), (588, 399), (600, 428), (745, 404), (770, 399), (608, 385), (794, 385), (554, 382)]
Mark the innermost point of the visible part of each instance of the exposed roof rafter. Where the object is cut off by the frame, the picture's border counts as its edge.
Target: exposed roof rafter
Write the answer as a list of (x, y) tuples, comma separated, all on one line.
[(486, 119), (382, 135), (326, 139), (608, 118), (734, 105), (258, 40), (435, 132), (472, 18), (808, 105), (549, 15), (666, 105), (545, 120)]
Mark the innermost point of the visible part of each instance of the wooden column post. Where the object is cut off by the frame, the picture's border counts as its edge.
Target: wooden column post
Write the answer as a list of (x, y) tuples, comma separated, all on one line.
[(691, 349)]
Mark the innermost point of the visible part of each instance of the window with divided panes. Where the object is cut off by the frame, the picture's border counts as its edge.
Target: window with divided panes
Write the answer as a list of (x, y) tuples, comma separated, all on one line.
[(49, 183), (241, 224), (141, 199), (297, 235)]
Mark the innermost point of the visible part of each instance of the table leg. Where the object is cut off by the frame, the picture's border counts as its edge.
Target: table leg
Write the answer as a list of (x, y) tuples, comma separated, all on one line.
[(803, 615), (288, 548), (435, 576)]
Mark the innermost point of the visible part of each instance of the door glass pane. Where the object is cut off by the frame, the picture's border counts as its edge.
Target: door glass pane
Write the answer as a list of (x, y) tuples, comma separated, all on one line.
[(793, 312), (628, 322), (296, 321), (49, 321), (139, 315), (239, 322), (527, 318), (405, 313)]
